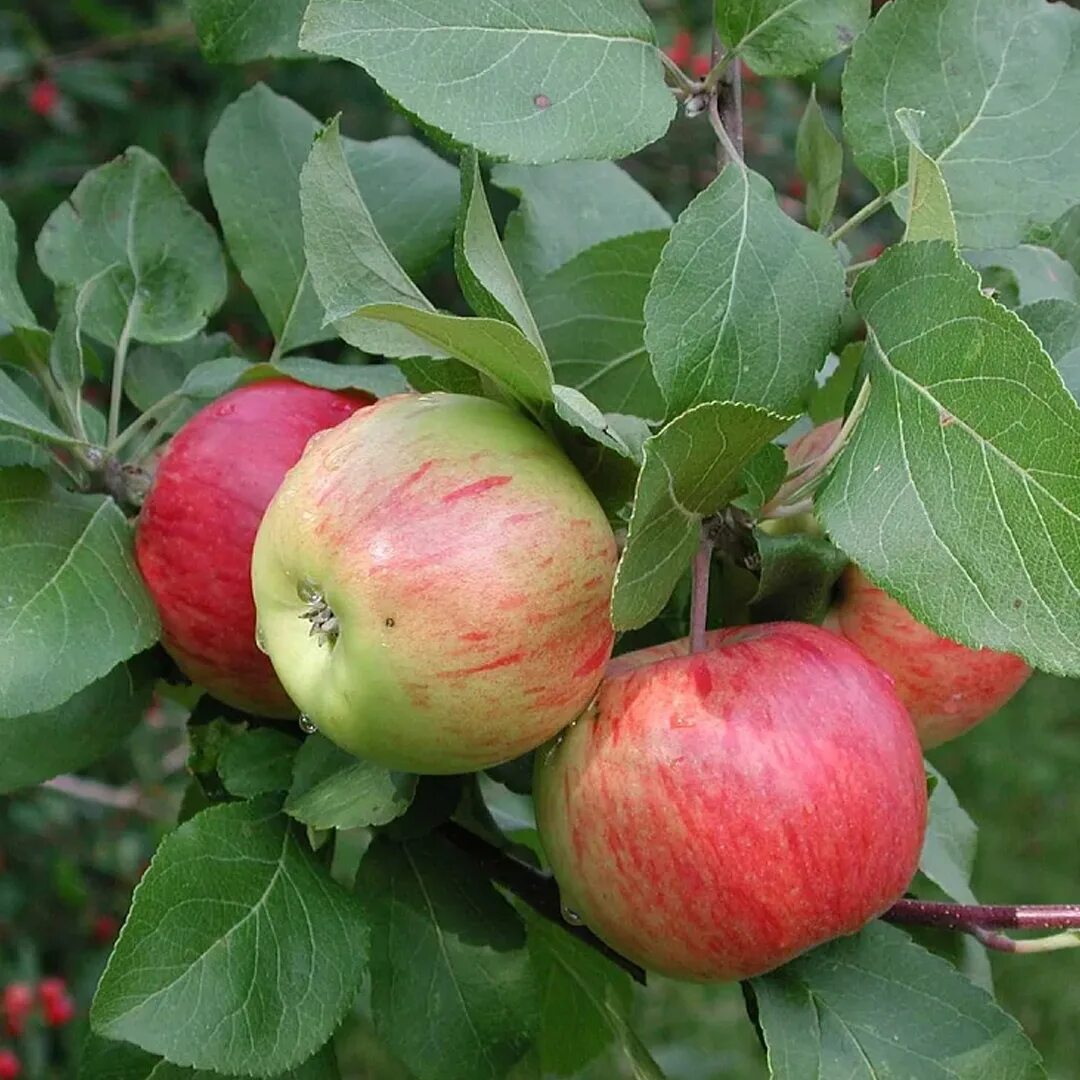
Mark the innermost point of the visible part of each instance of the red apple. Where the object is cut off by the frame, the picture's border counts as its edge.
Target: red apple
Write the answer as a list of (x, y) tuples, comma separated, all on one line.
[(197, 527), (456, 571), (947, 687), (714, 815)]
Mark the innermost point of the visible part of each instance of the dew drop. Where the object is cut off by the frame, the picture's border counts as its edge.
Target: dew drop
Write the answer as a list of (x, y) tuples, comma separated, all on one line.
[(307, 725), (570, 916)]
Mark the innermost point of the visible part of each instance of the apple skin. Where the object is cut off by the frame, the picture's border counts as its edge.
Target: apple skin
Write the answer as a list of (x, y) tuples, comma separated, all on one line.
[(198, 523), (947, 688), (714, 815), (469, 568)]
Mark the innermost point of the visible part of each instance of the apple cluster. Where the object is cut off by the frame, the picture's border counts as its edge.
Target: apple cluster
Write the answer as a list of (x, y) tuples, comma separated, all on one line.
[(425, 580)]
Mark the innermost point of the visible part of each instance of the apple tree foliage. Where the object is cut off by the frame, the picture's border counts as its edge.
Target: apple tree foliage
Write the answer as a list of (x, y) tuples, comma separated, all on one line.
[(670, 359)]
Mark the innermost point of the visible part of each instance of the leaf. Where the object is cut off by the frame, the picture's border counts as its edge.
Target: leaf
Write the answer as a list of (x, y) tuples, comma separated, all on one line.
[(452, 990), (1057, 325), (745, 300), (820, 157), (492, 347), (1063, 237), (959, 492), (798, 573), (236, 31), (528, 80), (154, 371), (72, 605), (76, 733), (14, 310), (789, 37), (258, 762), (948, 853), (333, 790), (692, 469), (157, 263), (66, 359), (997, 82), (579, 990), (18, 412), (486, 277), (570, 207), (929, 215), (577, 410), (253, 163), (762, 477), (349, 261), (591, 316), (1039, 273), (828, 400), (254, 970), (17, 449), (877, 1005), (382, 380)]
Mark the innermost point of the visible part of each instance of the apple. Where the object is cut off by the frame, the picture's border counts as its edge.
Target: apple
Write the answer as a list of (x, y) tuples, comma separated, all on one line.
[(197, 527), (947, 687), (715, 814), (432, 582)]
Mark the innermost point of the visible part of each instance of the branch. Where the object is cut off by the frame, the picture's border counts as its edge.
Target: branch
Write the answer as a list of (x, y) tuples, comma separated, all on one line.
[(92, 791), (699, 608), (534, 887), (981, 920)]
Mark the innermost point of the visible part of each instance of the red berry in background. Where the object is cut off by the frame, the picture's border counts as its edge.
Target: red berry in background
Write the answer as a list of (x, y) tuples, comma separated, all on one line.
[(44, 97), (198, 524), (700, 65), (796, 187), (52, 989), (10, 1066), (16, 1003), (60, 1012), (105, 929), (681, 48), (748, 74), (874, 250)]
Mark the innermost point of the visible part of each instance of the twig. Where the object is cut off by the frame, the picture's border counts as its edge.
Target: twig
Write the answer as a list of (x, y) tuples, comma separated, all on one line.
[(92, 791), (119, 361), (982, 921), (724, 83), (699, 608), (535, 888), (856, 219), (137, 39)]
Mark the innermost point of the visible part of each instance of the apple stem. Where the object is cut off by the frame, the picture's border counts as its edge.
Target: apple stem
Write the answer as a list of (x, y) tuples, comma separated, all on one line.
[(982, 920), (699, 604)]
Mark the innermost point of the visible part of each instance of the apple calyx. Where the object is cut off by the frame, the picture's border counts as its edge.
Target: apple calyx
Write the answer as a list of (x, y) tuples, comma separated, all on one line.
[(324, 623)]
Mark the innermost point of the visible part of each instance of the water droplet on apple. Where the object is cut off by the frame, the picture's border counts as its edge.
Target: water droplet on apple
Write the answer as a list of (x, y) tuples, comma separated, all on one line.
[(336, 458), (570, 916), (307, 725)]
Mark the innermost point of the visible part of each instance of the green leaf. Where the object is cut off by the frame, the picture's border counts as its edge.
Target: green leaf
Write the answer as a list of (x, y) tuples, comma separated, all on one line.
[(253, 163), (452, 990), (692, 469), (528, 80), (591, 316), (579, 990), (998, 83), (486, 277), (959, 491), (762, 477), (577, 410), (254, 970), (1063, 237), (18, 412), (570, 207), (789, 37), (66, 358), (334, 790), (828, 400), (1057, 325), (17, 449), (1039, 273), (236, 31), (426, 374), (820, 157), (877, 1005), (948, 853), (258, 762), (72, 604), (157, 263), (798, 573), (745, 300), (14, 310), (929, 212), (492, 347), (76, 733), (382, 380), (349, 261)]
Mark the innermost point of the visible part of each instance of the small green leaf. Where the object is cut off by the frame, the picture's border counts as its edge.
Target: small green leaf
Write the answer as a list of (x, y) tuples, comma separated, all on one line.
[(527, 80), (762, 476), (828, 400), (1057, 325), (18, 412), (823, 1016), (158, 264), (591, 315), (798, 573), (820, 157), (487, 279), (76, 733), (929, 211), (1063, 237), (333, 790), (254, 970), (66, 359), (745, 300), (258, 762), (692, 469), (1038, 272), (453, 993), (789, 37), (14, 310), (72, 604), (236, 31), (948, 853), (570, 207)]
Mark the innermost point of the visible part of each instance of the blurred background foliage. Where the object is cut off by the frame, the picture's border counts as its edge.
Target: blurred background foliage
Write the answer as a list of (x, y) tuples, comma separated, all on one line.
[(80, 80)]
